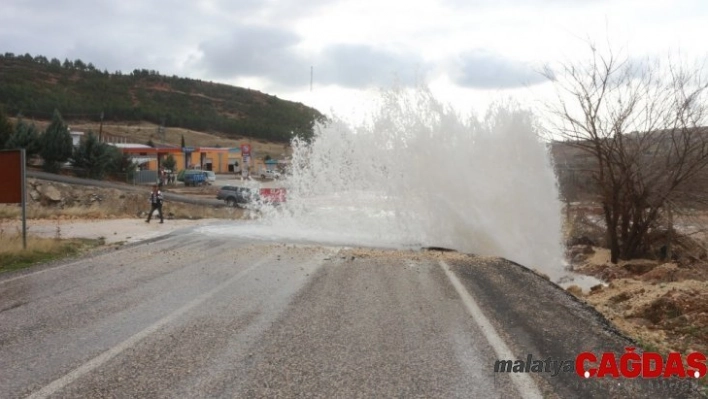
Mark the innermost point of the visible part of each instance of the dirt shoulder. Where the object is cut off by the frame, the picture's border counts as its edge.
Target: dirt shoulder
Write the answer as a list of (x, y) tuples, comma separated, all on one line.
[(663, 305)]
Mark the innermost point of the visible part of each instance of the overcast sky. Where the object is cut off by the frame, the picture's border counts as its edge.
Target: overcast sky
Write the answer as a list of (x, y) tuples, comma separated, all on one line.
[(467, 51)]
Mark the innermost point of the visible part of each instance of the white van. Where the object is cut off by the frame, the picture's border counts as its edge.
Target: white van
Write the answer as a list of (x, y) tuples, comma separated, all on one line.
[(270, 174)]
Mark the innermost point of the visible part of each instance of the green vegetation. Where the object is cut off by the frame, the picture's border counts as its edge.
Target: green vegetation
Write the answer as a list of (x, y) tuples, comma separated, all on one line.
[(169, 163), (39, 250), (55, 144), (36, 86), (25, 136), (93, 158), (97, 159), (6, 129)]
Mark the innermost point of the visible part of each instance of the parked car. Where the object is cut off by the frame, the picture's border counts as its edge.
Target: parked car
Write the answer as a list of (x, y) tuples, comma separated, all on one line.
[(180, 175), (236, 196), (270, 174), (192, 177)]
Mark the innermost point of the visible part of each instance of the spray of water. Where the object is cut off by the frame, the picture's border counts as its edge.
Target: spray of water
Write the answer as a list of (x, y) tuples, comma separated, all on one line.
[(417, 174)]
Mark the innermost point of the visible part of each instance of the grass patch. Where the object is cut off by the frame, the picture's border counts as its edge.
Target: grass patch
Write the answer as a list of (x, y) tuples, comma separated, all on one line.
[(39, 250), (650, 347), (10, 211)]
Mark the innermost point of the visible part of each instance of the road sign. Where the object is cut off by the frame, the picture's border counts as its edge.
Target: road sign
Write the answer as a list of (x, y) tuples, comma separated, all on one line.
[(12, 184), (11, 177)]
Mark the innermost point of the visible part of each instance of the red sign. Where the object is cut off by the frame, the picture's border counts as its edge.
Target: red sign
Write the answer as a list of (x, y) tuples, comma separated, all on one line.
[(645, 365), (11, 177), (245, 150), (273, 195)]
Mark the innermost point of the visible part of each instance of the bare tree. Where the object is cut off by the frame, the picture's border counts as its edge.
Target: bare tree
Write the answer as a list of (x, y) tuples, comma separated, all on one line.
[(642, 123)]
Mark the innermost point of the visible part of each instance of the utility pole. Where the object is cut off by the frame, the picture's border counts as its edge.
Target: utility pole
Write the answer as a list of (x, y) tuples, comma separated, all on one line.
[(161, 130), (670, 232), (100, 129)]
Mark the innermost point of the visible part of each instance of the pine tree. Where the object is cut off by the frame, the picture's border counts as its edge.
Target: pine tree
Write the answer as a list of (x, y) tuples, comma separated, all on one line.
[(169, 162), (5, 129), (55, 144), (121, 163), (25, 136), (93, 156)]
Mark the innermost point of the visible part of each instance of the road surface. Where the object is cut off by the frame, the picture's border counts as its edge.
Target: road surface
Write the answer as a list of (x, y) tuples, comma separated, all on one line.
[(190, 315)]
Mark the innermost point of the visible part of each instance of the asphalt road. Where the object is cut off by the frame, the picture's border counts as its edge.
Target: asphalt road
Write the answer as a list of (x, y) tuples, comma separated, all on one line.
[(195, 316)]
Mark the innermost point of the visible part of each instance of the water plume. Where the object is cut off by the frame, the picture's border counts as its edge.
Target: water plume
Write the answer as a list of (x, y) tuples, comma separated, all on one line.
[(418, 174)]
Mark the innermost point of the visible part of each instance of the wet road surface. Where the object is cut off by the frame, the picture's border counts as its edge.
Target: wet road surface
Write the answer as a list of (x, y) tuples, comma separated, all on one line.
[(195, 316)]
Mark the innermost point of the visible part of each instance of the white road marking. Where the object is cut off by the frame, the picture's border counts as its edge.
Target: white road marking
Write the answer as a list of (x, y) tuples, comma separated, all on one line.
[(104, 357), (524, 383)]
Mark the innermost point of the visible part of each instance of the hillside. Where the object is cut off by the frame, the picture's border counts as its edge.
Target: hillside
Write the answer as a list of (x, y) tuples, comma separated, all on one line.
[(35, 86), (143, 132)]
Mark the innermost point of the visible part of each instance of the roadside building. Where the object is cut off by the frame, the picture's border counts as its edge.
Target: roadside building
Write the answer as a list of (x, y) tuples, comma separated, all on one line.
[(234, 160), (76, 137), (164, 150), (144, 156), (215, 159)]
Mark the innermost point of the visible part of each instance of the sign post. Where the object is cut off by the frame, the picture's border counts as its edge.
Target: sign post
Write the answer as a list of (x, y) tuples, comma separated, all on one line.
[(245, 150), (246, 157), (13, 179), (23, 190)]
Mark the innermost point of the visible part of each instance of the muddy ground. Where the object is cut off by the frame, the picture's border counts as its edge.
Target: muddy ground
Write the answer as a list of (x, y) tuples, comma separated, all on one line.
[(662, 304)]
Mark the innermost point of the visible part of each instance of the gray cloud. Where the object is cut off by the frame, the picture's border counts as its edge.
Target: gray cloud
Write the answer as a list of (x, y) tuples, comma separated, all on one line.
[(223, 40), (203, 39), (484, 70), (116, 35), (271, 53), (255, 51), (352, 65)]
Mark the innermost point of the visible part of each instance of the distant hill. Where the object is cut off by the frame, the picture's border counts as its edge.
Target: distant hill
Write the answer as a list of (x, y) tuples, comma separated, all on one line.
[(35, 86)]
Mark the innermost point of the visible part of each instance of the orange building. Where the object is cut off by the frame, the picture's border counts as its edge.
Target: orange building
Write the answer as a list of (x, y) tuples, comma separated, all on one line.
[(149, 158), (216, 159), (213, 158)]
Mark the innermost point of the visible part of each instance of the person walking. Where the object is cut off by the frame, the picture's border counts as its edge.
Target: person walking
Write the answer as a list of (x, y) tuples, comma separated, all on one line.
[(156, 203)]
